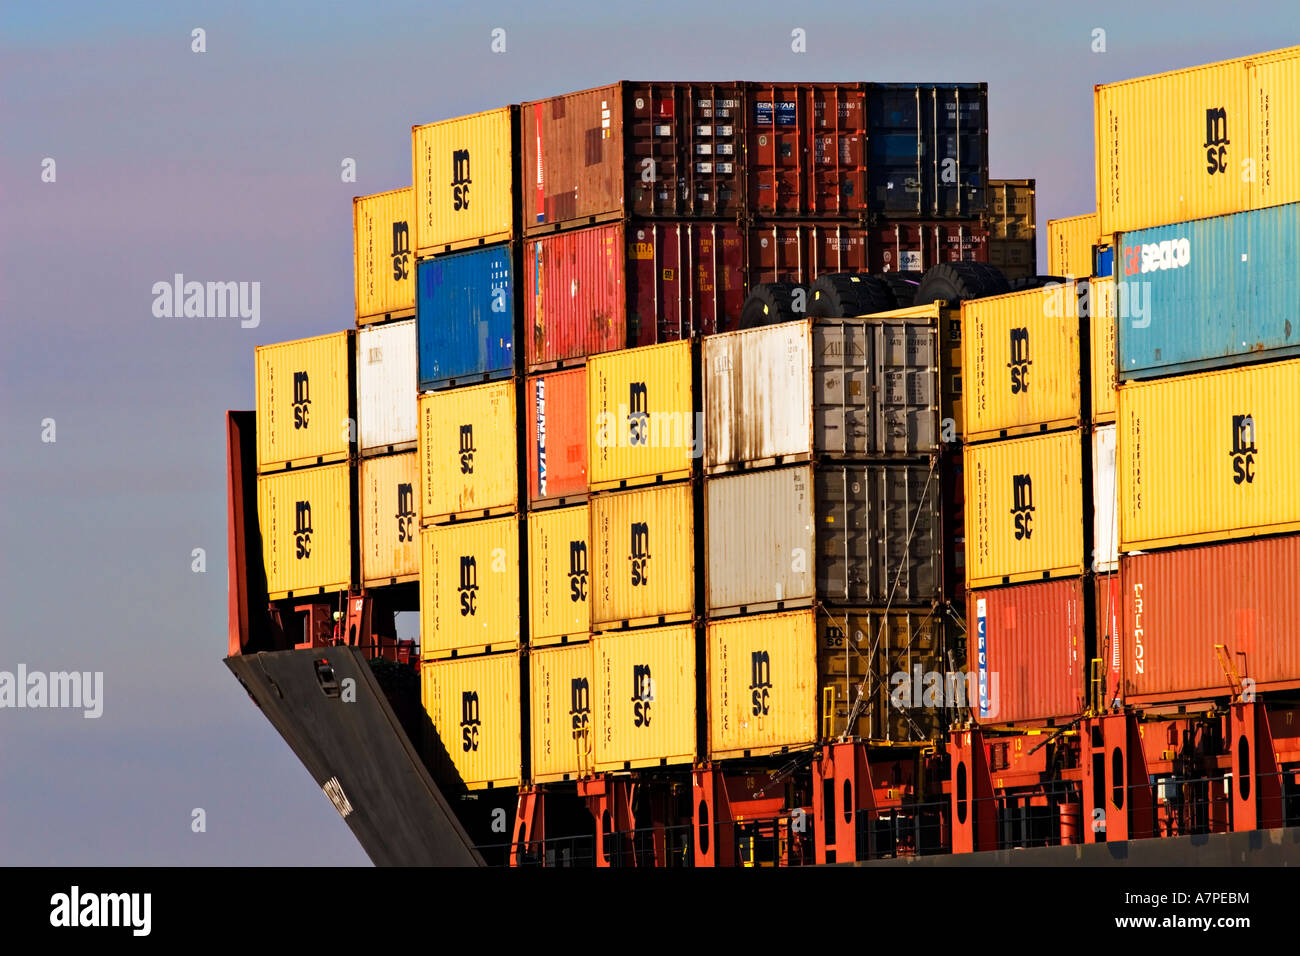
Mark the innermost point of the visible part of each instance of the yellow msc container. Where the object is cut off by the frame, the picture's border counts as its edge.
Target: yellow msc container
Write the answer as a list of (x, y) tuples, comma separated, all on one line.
[(1021, 362), (383, 260), (305, 518), (1101, 331), (468, 453), (561, 703), (1024, 509), (304, 402), (1069, 245), (762, 680), (645, 698), (464, 176), (469, 588), (1209, 457), (1206, 141), (390, 527), (559, 576), (474, 706), (643, 569), (640, 416)]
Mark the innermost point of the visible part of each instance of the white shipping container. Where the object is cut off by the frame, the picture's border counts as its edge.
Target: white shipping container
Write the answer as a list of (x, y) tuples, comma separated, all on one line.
[(386, 394), (1105, 522)]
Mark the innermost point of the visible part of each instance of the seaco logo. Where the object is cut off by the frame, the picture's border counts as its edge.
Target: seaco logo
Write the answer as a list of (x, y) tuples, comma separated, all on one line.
[(579, 707), (643, 694), (1243, 449), (638, 414), (1216, 141), (468, 588), (467, 449), (1022, 506), (760, 683), (401, 253), (640, 556), (302, 529), (301, 400), (460, 181), (1020, 362), (577, 571), (1157, 256), (405, 511), (470, 723)]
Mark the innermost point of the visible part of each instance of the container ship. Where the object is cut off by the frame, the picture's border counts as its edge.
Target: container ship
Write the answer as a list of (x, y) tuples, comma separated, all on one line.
[(763, 505)]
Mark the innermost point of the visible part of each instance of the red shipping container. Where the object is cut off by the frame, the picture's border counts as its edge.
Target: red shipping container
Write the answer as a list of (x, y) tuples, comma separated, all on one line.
[(1029, 651), (800, 252), (1110, 644), (1177, 605), (557, 438), (908, 246)]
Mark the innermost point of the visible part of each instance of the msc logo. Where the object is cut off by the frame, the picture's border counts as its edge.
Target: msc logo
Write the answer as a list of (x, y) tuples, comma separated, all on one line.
[(640, 556), (760, 682), (467, 449), (405, 511), (1019, 364), (468, 588), (579, 707), (1243, 449), (469, 720), (1216, 141), (1022, 506), (638, 414), (301, 400), (577, 570), (401, 251), (302, 529), (643, 694), (460, 181)]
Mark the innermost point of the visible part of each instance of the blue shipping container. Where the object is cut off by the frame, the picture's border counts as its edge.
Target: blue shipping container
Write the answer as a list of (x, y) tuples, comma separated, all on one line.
[(1209, 293), (465, 317)]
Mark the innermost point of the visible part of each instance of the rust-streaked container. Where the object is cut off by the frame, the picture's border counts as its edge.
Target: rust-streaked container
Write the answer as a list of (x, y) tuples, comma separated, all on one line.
[(390, 524), (645, 698), (641, 416), (305, 518), (1029, 648), (474, 706), (906, 246), (1177, 606), (561, 705), (762, 684), (1021, 363), (1024, 509), (556, 406), (1209, 457), (383, 260), (1070, 244), (800, 252), (469, 588), (463, 170), (468, 453), (643, 557), (304, 402), (559, 575), (1101, 331)]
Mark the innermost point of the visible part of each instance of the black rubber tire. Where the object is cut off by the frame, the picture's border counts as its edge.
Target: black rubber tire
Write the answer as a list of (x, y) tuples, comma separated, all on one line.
[(1033, 282), (954, 282), (903, 285), (839, 295), (768, 304)]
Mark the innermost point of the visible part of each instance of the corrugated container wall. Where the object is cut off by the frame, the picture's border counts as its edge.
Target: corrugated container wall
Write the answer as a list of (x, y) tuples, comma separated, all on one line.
[(386, 360), (1206, 141), (390, 525), (643, 545), (464, 171), (1012, 221), (469, 588), (465, 308), (1108, 616), (1105, 501), (304, 412), (468, 453), (305, 518), (559, 605), (1209, 456), (645, 698), (575, 297), (781, 251), (1024, 509), (475, 708), (1210, 293), (1069, 245), (562, 683), (914, 246), (641, 424), (1101, 331), (556, 406), (383, 260)]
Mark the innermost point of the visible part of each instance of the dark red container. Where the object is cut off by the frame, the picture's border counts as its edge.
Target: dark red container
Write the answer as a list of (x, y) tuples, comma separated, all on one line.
[(907, 246), (1178, 605), (556, 406), (800, 252)]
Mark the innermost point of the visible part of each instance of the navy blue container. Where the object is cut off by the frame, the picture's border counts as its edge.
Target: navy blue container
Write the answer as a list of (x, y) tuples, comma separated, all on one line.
[(465, 317)]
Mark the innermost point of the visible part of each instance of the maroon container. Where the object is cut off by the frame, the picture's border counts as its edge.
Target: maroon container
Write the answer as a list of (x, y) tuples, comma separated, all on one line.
[(908, 246), (800, 252)]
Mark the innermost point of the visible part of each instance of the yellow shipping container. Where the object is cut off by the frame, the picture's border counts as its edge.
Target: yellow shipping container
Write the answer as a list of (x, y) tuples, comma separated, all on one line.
[(1101, 330), (383, 262), (469, 588), (1021, 362), (645, 698), (390, 546), (474, 706), (1024, 509), (1069, 245), (464, 175), (643, 543), (304, 402), (559, 604), (561, 703), (305, 517), (1205, 141), (1209, 457), (762, 680), (468, 453), (640, 416)]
